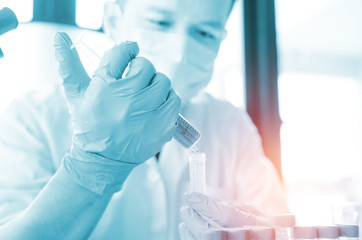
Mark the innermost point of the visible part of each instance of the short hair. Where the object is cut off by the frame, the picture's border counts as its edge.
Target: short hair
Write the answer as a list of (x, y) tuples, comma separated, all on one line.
[(122, 2)]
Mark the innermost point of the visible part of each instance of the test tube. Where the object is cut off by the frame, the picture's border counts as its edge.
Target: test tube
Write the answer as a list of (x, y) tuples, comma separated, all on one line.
[(348, 232), (185, 134), (305, 232), (197, 171), (213, 234), (347, 213), (242, 233), (284, 226), (328, 232)]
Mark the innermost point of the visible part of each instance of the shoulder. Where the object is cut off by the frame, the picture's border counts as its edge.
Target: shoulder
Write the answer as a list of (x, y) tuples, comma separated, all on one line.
[(221, 112), (35, 107), (39, 100)]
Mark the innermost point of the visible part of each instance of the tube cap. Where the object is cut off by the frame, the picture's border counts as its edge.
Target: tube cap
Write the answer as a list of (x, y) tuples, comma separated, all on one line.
[(284, 220), (8, 20), (238, 234), (262, 233), (214, 234), (306, 232), (348, 230), (328, 232)]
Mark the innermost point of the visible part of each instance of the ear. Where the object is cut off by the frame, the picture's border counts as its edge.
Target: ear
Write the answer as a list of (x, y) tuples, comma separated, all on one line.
[(113, 25)]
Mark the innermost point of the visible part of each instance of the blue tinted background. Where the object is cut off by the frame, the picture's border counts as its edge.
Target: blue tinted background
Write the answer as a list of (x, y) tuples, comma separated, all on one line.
[(320, 85)]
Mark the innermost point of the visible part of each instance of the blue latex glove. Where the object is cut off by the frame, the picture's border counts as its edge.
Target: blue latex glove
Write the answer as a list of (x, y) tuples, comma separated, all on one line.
[(119, 122), (203, 213)]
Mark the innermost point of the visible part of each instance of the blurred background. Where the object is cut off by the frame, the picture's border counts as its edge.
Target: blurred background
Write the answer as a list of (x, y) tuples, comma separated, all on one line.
[(319, 85)]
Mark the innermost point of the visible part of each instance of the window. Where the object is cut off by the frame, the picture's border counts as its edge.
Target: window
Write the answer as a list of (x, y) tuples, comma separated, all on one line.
[(89, 13), (320, 86), (228, 77)]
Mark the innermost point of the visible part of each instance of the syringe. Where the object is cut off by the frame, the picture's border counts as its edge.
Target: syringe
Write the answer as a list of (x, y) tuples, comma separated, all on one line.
[(185, 133)]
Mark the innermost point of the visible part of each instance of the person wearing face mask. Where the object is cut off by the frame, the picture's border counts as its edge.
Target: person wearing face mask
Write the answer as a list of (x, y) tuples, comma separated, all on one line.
[(86, 170)]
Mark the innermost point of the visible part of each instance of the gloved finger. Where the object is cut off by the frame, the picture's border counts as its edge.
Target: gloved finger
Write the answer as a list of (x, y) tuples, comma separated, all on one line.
[(71, 70), (185, 234), (170, 110), (140, 75), (164, 117), (207, 206), (194, 222), (154, 95), (260, 217), (115, 60), (224, 214), (248, 208), (248, 219)]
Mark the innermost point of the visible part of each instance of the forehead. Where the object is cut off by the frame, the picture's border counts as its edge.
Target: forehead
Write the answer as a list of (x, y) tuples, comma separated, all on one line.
[(196, 10)]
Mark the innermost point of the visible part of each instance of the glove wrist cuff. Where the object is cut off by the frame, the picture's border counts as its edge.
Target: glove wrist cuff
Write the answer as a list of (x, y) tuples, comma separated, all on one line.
[(95, 172)]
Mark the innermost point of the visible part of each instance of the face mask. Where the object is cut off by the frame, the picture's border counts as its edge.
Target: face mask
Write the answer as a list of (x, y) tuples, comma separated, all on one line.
[(185, 61)]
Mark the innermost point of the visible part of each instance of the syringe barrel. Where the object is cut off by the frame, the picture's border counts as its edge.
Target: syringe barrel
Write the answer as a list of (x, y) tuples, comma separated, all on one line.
[(185, 133), (197, 162)]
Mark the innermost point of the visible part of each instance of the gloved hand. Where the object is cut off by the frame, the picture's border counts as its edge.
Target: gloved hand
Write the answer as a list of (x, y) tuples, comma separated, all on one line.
[(205, 212), (119, 122)]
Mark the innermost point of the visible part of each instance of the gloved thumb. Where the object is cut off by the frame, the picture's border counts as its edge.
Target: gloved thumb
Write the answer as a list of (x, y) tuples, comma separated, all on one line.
[(75, 78)]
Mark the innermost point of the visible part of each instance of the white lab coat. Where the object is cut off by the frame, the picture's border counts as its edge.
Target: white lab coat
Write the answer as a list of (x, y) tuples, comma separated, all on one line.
[(36, 131)]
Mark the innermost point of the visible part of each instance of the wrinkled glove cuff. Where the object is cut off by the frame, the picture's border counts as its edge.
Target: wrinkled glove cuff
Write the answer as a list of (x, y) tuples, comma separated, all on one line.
[(95, 172)]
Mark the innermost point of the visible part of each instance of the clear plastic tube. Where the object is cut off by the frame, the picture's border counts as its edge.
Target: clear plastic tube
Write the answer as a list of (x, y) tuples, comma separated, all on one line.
[(197, 163), (91, 52)]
